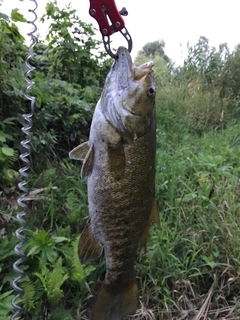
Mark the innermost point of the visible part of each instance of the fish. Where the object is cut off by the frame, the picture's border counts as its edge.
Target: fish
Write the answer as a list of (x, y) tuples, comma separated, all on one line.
[(119, 166)]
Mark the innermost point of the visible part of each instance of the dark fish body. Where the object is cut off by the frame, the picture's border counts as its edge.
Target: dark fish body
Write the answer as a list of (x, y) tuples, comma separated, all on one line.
[(119, 163)]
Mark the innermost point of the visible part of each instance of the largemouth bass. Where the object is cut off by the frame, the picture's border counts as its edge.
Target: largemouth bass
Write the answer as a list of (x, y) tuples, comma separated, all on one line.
[(119, 163)]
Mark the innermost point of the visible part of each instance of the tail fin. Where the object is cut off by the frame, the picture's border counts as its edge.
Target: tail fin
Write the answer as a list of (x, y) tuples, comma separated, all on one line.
[(115, 302)]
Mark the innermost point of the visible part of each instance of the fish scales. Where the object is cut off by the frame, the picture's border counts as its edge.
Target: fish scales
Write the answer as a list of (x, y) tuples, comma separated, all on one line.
[(119, 163), (119, 233)]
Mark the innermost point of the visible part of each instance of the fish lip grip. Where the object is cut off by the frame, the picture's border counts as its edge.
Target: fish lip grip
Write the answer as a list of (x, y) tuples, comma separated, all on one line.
[(106, 10)]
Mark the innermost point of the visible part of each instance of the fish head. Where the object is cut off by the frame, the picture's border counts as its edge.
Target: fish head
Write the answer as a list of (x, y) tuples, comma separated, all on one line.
[(128, 97)]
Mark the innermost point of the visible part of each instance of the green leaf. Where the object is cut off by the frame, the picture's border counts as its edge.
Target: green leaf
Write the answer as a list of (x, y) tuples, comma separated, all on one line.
[(42, 278), (89, 269), (9, 152), (189, 197), (209, 261), (6, 294), (49, 8), (49, 255), (10, 120), (203, 174), (5, 303), (2, 136), (29, 292), (11, 174), (60, 239), (2, 157), (16, 16), (34, 250)]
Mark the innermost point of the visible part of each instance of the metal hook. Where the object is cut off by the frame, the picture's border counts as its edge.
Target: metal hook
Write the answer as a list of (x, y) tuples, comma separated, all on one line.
[(106, 42)]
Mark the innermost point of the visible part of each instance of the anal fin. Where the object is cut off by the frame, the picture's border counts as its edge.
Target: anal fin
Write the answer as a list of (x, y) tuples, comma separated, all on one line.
[(88, 247)]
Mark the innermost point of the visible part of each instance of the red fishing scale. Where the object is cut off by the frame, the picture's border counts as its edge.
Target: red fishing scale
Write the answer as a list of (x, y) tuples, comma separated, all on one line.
[(110, 21)]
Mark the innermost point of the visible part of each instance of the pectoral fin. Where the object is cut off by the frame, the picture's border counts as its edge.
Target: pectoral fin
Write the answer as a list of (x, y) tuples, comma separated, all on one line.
[(153, 218), (80, 152), (88, 248), (87, 164), (84, 152)]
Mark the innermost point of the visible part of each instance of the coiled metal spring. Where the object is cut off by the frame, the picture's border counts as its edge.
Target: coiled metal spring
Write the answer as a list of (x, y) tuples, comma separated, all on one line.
[(24, 176)]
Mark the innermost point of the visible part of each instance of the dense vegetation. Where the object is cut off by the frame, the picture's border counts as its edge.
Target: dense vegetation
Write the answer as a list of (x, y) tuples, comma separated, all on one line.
[(191, 269)]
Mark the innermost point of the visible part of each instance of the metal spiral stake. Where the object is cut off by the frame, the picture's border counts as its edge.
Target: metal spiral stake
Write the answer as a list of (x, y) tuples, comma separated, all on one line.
[(24, 176)]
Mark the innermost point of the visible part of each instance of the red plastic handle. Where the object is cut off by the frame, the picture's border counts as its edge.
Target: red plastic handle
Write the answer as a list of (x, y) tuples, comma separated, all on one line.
[(99, 10)]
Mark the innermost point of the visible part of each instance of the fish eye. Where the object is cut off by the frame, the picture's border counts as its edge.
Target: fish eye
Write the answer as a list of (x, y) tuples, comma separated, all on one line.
[(151, 92)]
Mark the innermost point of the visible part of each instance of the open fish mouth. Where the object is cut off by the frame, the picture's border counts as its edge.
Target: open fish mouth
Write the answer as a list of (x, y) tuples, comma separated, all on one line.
[(126, 69)]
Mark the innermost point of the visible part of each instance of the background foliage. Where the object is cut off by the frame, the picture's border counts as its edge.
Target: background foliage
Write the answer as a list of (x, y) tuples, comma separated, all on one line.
[(191, 267)]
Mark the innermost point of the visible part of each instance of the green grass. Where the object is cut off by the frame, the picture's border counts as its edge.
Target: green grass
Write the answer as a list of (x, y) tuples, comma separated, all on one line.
[(192, 265)]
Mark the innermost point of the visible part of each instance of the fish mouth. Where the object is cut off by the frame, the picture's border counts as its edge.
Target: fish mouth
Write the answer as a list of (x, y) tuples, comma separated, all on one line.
[(122, 68), (123, 54), (125, 101), (129, 81)]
